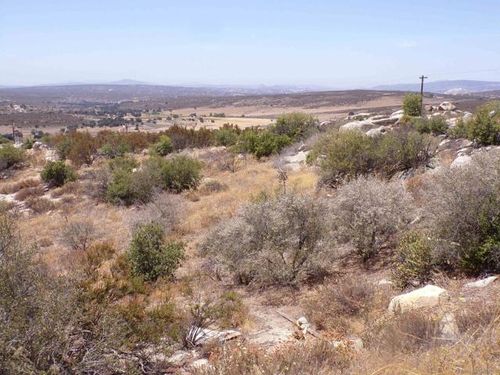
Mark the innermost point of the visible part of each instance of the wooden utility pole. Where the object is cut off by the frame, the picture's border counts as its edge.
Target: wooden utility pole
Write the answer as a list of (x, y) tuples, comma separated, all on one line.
[(422, 77)]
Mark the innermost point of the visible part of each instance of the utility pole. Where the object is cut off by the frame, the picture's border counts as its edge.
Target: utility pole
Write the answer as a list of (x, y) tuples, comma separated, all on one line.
[(422, 77)]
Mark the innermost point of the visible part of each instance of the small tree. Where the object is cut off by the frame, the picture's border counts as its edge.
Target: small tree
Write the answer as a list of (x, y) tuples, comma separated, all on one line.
[(9, 156), (411, 105), (151, 256), (57, 173)]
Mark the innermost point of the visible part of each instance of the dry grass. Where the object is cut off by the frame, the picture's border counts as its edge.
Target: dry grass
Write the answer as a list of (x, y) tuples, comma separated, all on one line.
[(13, 187), (29, 193), (242, 186)]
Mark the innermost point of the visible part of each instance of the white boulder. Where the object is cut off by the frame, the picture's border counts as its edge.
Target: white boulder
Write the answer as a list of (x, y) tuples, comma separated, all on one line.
[(460, 161), (481, 283), (428, 296), (363, 125), (447, 106)]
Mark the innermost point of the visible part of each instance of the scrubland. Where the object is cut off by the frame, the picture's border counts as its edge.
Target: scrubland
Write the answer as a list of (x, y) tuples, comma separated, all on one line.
[(121, 252)]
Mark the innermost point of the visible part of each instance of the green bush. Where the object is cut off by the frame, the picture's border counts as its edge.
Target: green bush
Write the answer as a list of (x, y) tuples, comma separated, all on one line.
[(434, 125), (483, 128), (262, 143), (411, 105), (10, 156), (57, 173), (295, 125), (163, 146), (151, 256), (114, 150), (227, 135), (414, 260), (180, 173), (128, 187), (344, 155)]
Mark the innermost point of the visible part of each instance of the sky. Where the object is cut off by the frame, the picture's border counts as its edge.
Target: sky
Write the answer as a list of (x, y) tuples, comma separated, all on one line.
[(329, 43)]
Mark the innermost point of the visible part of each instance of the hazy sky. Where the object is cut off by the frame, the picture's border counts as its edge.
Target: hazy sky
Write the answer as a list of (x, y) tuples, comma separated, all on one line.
[(324, 42)]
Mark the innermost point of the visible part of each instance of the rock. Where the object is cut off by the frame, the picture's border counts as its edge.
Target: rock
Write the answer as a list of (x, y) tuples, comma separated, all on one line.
[(303, 326), (481, 283), (399, 113), (179, 358), (467, 116), (460, 161), (376, 131), (452, 122), (200, 363), (449, 328), (428, 296), (385, 120), (363, 125), (446, 106), (294, 162)]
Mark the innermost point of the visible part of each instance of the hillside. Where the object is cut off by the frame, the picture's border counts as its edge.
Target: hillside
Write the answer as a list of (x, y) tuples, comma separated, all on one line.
[(442, 87)]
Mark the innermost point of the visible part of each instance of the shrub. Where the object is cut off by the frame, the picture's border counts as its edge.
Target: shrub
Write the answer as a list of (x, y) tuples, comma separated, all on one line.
[(414, 260), (80, 148), (295, 125), (57, 173), (406, 333), (37, 310), (434, 125), (180, 173), (463, 210), (151, 256), (483, 128), (368, 213), (129, 187), (315, 357), (10, 156), (273, 241), (411, 105), (344, 155), (262, 143), (114, 151), (79, 235), (227, 135), (163, 146), (230, 310), (334, 305)]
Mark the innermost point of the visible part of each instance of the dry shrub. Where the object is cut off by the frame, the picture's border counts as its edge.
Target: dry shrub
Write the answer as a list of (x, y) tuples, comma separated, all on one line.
[(230, 310), (16, 186), (97, 254), (280, 241), (72, 187), (212, 186), (30, 192), (317, 357), (335, 305), (165, 209), (40, 205), (368, 213), (79, 235), (462, 209), (405, 333)]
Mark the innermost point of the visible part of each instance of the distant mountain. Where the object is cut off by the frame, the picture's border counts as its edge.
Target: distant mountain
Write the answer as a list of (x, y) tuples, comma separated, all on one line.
[(454, 87)]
